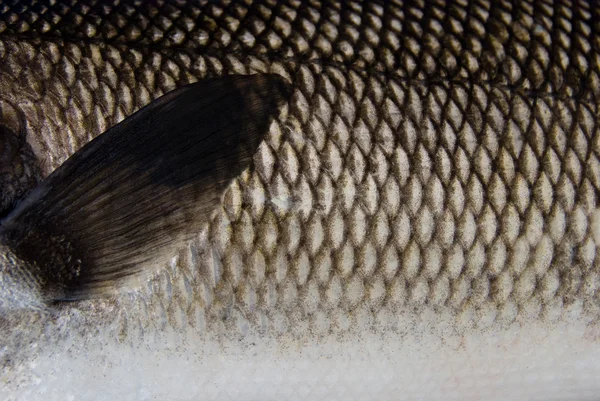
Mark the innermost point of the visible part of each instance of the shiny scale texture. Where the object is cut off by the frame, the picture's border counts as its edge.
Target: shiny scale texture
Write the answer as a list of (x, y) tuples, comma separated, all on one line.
[(436, 160)]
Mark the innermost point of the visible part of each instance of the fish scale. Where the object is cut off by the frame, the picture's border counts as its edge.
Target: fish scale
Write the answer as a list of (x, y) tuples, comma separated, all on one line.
[(435, 175), (535, 45)]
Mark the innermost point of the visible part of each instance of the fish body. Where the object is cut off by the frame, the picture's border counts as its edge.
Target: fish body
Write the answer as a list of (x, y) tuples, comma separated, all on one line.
[(420, 222)]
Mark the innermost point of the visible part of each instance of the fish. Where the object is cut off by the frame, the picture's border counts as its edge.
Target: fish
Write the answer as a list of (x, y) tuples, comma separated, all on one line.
[(127, 197), (419, 221)]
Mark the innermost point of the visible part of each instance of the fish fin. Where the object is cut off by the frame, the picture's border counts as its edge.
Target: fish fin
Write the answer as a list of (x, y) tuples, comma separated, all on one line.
[(136, 191)]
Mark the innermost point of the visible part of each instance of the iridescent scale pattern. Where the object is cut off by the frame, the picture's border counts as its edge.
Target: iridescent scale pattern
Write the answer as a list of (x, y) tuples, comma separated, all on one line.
[(434, 156)]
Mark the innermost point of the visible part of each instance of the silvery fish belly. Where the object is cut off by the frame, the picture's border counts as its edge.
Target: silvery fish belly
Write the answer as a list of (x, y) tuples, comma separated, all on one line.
[(421, 220)]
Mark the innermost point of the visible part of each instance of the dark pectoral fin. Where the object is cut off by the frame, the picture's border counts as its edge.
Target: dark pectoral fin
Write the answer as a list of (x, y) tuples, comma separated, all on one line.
[(133, 192)]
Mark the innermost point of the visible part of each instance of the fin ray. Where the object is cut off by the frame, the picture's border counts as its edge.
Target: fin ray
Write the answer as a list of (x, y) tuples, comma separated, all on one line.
[(133, 192)]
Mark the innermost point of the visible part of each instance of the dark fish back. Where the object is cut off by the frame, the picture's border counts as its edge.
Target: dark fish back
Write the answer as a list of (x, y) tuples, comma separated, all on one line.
[(533, 45)]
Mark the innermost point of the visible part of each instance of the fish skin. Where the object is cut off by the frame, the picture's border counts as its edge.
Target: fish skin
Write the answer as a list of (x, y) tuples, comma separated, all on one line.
[(446, 250), (94, 221), (19, 171)]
